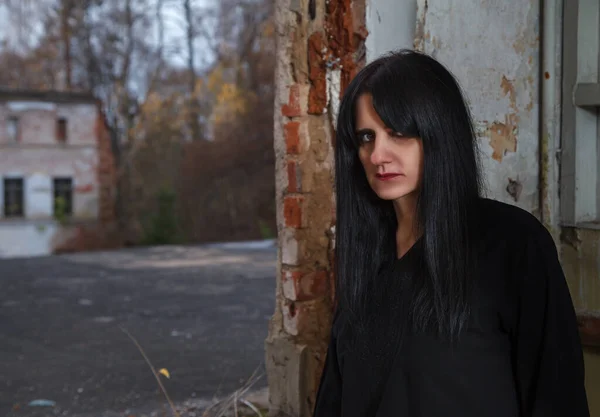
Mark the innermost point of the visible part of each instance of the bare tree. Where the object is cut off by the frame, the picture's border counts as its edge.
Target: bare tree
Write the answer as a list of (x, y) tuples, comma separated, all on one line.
[(121, 51), (193, 105), (66, 10), (20, 29)]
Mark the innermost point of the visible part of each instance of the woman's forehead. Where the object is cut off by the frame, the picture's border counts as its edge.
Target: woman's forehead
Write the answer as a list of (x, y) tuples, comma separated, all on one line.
[(366, 113)]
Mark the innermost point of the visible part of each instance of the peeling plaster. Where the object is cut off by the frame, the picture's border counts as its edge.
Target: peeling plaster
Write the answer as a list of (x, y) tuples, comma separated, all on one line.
[(498, 77), (38, 158), (514, 188), (391, 26), (503, 136), (334, 82)]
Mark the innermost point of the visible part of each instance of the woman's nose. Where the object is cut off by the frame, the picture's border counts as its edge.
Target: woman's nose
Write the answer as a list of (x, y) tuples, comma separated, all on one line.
[(380, 154)]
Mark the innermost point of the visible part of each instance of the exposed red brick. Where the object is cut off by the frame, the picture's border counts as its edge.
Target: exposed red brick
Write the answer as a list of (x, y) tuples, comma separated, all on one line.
[(292, 175), (90, 237), (304, 301), (292, 137), (317, 96), (342, 39), (308, 286), (87, 188), (106, 171), (314, 284), (332, 274), (293, 107), (292, 211)]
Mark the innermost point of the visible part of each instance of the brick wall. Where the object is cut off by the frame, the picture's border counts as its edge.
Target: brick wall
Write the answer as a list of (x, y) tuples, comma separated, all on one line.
[(106, 172), (320, 46)]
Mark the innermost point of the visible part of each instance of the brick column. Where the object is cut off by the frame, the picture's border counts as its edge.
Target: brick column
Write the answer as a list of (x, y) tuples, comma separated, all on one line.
[(106, 172), (320, 46)]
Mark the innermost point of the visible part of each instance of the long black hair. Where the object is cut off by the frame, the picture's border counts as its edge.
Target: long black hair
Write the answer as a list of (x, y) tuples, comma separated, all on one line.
[(414, 94)]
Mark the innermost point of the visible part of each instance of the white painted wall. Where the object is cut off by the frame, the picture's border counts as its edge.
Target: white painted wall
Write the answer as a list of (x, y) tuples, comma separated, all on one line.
[(391, 26), (38, 196), (37, 167), (493, 49), (38, 158), (26, 238)]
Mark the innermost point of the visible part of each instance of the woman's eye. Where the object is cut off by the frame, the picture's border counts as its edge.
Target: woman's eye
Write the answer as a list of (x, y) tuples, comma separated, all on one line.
[(398, 135), (366, 137)]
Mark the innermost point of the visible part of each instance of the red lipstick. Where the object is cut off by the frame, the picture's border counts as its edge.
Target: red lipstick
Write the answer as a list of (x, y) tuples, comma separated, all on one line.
[(387, 176)]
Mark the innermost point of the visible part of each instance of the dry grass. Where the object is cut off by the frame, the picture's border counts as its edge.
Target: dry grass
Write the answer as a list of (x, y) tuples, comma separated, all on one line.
[(234, 405)]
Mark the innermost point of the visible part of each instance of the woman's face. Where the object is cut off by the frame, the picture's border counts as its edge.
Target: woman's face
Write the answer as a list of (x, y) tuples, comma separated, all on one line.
[(392, 162)]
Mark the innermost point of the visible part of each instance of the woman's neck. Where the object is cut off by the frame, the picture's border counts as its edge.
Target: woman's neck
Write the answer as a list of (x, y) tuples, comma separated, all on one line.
[(407, 232)]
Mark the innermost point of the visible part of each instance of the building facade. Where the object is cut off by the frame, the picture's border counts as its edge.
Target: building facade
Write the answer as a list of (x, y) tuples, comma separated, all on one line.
[(56, 169), (530, 71)]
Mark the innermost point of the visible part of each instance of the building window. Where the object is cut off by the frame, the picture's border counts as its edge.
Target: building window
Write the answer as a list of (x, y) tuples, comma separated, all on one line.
[(61, 130), (580, 136), (13, 197), (63, 196), (12, 128)]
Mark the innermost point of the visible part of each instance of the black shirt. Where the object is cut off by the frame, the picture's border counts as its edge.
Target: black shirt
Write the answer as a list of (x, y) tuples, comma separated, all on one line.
[(520, 355)]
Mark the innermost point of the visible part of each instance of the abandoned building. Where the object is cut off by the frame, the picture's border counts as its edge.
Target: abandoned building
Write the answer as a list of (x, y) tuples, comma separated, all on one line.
[(530, 71), (56, 169)]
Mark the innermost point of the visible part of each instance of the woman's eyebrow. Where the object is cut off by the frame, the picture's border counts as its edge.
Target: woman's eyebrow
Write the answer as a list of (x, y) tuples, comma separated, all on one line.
[(364, 130)]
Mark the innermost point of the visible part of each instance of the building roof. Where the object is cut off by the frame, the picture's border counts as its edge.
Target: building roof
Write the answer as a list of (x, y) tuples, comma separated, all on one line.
[(7, 94)]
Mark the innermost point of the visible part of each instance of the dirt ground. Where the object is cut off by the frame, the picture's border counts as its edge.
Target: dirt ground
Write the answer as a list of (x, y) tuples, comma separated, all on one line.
[(200, 312)]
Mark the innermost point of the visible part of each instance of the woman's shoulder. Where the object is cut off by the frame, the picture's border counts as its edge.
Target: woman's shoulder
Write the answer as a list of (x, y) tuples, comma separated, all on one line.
[(508, 221), (514, 240)]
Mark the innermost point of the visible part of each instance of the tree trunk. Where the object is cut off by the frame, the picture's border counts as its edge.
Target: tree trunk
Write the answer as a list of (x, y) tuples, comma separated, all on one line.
[(66, 10), (193, 105)]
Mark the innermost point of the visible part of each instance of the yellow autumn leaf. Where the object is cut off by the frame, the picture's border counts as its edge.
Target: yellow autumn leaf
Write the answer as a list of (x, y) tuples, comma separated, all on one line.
[(165, 372)]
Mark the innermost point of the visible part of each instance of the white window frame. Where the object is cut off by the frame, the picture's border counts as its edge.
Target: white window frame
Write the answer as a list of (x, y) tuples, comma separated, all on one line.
[(59, 182), (12, 128), (580, 149), (4, 197)]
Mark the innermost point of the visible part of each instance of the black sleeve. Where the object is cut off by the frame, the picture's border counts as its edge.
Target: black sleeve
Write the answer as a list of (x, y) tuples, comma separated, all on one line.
[(548, 356), (328, 402)]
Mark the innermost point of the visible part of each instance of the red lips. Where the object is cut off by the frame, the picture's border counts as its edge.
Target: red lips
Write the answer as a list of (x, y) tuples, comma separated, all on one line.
[(386, 177)]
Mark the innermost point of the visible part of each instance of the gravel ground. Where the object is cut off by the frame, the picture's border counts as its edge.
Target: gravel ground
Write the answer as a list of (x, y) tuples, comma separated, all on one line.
[(201, 312)]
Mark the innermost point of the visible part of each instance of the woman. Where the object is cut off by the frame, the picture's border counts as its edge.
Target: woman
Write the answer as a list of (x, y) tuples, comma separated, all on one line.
[(448, 304)]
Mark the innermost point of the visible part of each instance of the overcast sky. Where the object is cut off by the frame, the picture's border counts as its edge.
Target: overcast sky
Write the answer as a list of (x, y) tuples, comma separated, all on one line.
[(172, 18)]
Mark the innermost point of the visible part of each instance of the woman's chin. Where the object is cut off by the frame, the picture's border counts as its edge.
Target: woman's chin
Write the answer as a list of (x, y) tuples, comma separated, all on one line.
[(391, 195)]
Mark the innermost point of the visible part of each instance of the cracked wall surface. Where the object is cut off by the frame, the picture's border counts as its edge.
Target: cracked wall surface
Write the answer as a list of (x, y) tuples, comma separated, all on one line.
[(495, 50), (320, 48), (37, 156)]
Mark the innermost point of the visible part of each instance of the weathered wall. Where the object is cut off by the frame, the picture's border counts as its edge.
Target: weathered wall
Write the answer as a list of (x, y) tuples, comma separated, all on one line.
[(496, 51), (27, 238), (320, 44), (38, 156), (493, 49), (37, 122), (391, 26), (580, 250), (106, 172), (39, 165)]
